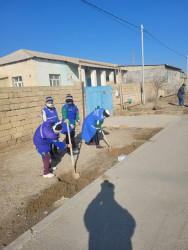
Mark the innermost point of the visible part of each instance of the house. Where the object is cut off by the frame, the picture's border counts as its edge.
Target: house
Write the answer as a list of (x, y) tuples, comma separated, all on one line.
[(24, 68), (170, 76)]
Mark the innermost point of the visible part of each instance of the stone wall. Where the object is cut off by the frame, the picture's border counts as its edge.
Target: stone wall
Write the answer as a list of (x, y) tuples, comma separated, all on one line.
[(20, 108), (130, 91), (20, 111)]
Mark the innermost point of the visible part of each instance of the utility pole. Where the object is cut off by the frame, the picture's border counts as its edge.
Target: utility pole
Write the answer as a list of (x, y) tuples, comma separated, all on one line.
[(133, 58), (143, 87), (187, 75)]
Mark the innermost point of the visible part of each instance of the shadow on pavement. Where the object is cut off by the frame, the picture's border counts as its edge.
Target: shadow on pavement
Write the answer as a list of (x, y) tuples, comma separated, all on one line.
[(109, 225)]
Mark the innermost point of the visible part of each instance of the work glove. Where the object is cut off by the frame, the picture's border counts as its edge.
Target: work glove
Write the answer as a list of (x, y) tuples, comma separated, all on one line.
[(72, 126), (78, 122)]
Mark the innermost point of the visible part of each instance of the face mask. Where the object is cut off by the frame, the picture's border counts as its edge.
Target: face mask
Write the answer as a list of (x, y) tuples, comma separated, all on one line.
[(50, 105), (70, 104)]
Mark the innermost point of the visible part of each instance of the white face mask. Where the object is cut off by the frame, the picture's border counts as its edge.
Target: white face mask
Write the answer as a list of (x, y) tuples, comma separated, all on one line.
[(50, 105)]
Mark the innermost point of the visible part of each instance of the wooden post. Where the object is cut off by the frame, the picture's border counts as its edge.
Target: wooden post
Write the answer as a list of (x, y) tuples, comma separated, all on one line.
[(120, 87)]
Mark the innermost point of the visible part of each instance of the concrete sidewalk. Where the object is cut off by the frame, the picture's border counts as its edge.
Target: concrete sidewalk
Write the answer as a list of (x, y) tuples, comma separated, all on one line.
[(141, 121), (141, 203)]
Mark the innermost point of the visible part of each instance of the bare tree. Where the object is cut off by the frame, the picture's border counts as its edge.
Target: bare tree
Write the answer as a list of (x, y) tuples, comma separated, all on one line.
[(159, 82)]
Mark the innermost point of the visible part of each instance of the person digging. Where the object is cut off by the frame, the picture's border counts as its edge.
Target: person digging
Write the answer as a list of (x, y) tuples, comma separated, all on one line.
[(45, 135), (92, 126)]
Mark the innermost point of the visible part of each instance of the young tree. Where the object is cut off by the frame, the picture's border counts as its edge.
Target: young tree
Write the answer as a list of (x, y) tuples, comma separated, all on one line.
[(159, 82)]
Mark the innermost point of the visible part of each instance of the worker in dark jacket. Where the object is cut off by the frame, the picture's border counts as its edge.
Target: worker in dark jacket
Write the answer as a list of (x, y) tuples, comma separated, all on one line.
[(180, 95), (92, 125), (45, 135)]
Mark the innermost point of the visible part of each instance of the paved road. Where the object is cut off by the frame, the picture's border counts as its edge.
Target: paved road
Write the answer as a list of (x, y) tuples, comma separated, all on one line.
[(141, 203)]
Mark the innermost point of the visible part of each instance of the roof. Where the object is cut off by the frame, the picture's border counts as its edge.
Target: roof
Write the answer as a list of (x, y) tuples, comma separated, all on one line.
[(23, 54), (153, 65)]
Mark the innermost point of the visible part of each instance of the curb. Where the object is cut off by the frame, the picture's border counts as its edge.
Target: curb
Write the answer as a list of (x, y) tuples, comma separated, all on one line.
[(25, 237)]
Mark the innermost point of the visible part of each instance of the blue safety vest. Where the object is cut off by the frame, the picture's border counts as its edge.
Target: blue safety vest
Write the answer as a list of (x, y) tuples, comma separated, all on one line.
[(51, 114), (72, 110)]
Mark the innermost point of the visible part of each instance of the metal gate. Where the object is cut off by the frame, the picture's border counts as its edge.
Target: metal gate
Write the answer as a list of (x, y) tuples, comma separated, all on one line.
[(99, 96)]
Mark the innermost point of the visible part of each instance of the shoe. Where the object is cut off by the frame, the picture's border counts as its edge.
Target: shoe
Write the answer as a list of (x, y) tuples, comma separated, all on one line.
[(99, 146), (53, 168), (50, 175), (91, 143)]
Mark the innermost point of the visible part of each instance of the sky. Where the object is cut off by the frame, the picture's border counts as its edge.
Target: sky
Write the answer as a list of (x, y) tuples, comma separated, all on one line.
[(72, 28)]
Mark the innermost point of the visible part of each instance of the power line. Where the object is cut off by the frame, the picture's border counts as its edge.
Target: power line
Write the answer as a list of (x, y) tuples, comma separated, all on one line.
[(101, 10), (114, 17)]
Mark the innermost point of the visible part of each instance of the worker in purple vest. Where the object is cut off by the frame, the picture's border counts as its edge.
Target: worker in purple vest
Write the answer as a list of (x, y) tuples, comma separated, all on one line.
[(70, 112), (49, 113), (45, 135)]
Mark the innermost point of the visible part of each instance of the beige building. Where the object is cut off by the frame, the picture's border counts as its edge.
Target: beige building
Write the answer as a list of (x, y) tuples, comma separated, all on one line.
[(25, 68), (171, 76), (30, 68)]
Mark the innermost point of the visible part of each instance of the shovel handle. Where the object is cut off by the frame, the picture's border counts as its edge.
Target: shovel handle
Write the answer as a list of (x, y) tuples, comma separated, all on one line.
[(105, 138), (70, 143)]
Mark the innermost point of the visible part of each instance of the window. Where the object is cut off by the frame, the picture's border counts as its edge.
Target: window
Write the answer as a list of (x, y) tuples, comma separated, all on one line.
[(17, 81), (54, 80)]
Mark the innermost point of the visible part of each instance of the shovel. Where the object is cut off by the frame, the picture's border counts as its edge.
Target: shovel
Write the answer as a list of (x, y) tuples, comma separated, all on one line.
[(76, 175), (109, 147)]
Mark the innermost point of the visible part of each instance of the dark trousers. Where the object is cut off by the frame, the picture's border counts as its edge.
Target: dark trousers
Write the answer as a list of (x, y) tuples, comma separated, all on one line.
[(51, 150), (95, 138), (181, 100), (72, 135), (46, 162)]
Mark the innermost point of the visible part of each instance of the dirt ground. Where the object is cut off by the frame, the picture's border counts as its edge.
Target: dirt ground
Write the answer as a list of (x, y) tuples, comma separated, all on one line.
[(26, 197)]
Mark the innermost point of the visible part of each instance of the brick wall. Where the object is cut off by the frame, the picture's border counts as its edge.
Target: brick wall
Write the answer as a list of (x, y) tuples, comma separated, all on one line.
[(20, 110)]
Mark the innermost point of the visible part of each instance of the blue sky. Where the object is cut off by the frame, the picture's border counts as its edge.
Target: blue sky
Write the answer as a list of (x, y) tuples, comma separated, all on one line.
[(71, 28)]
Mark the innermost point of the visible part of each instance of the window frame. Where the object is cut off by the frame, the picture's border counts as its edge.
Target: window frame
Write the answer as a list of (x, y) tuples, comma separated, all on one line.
[(53, 79), (17, 83)]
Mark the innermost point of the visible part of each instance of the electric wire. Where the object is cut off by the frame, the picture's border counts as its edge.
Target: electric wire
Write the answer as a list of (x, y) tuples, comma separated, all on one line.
[(114, 17)]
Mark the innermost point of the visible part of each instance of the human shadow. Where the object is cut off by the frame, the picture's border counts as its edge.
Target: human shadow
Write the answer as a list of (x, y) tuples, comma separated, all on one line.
[(109, 225), (174, 104)]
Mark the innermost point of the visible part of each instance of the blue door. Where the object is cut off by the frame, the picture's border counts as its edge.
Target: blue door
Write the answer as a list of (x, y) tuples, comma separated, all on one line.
[(99, 96)]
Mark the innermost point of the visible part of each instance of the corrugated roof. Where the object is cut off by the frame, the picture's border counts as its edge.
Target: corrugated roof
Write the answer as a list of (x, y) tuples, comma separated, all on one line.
[(23, 54)]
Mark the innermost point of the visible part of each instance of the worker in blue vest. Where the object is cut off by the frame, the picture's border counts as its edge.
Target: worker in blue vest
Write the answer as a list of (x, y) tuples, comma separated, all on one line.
[(45, 135), (92, 125), (180, 95), (70, 112), (49, 113)]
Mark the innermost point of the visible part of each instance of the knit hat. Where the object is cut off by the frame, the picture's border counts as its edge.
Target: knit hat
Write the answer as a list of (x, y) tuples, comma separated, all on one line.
[(49, 99), (183, 84), (57, 127), (106, 113), (69, 98)]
